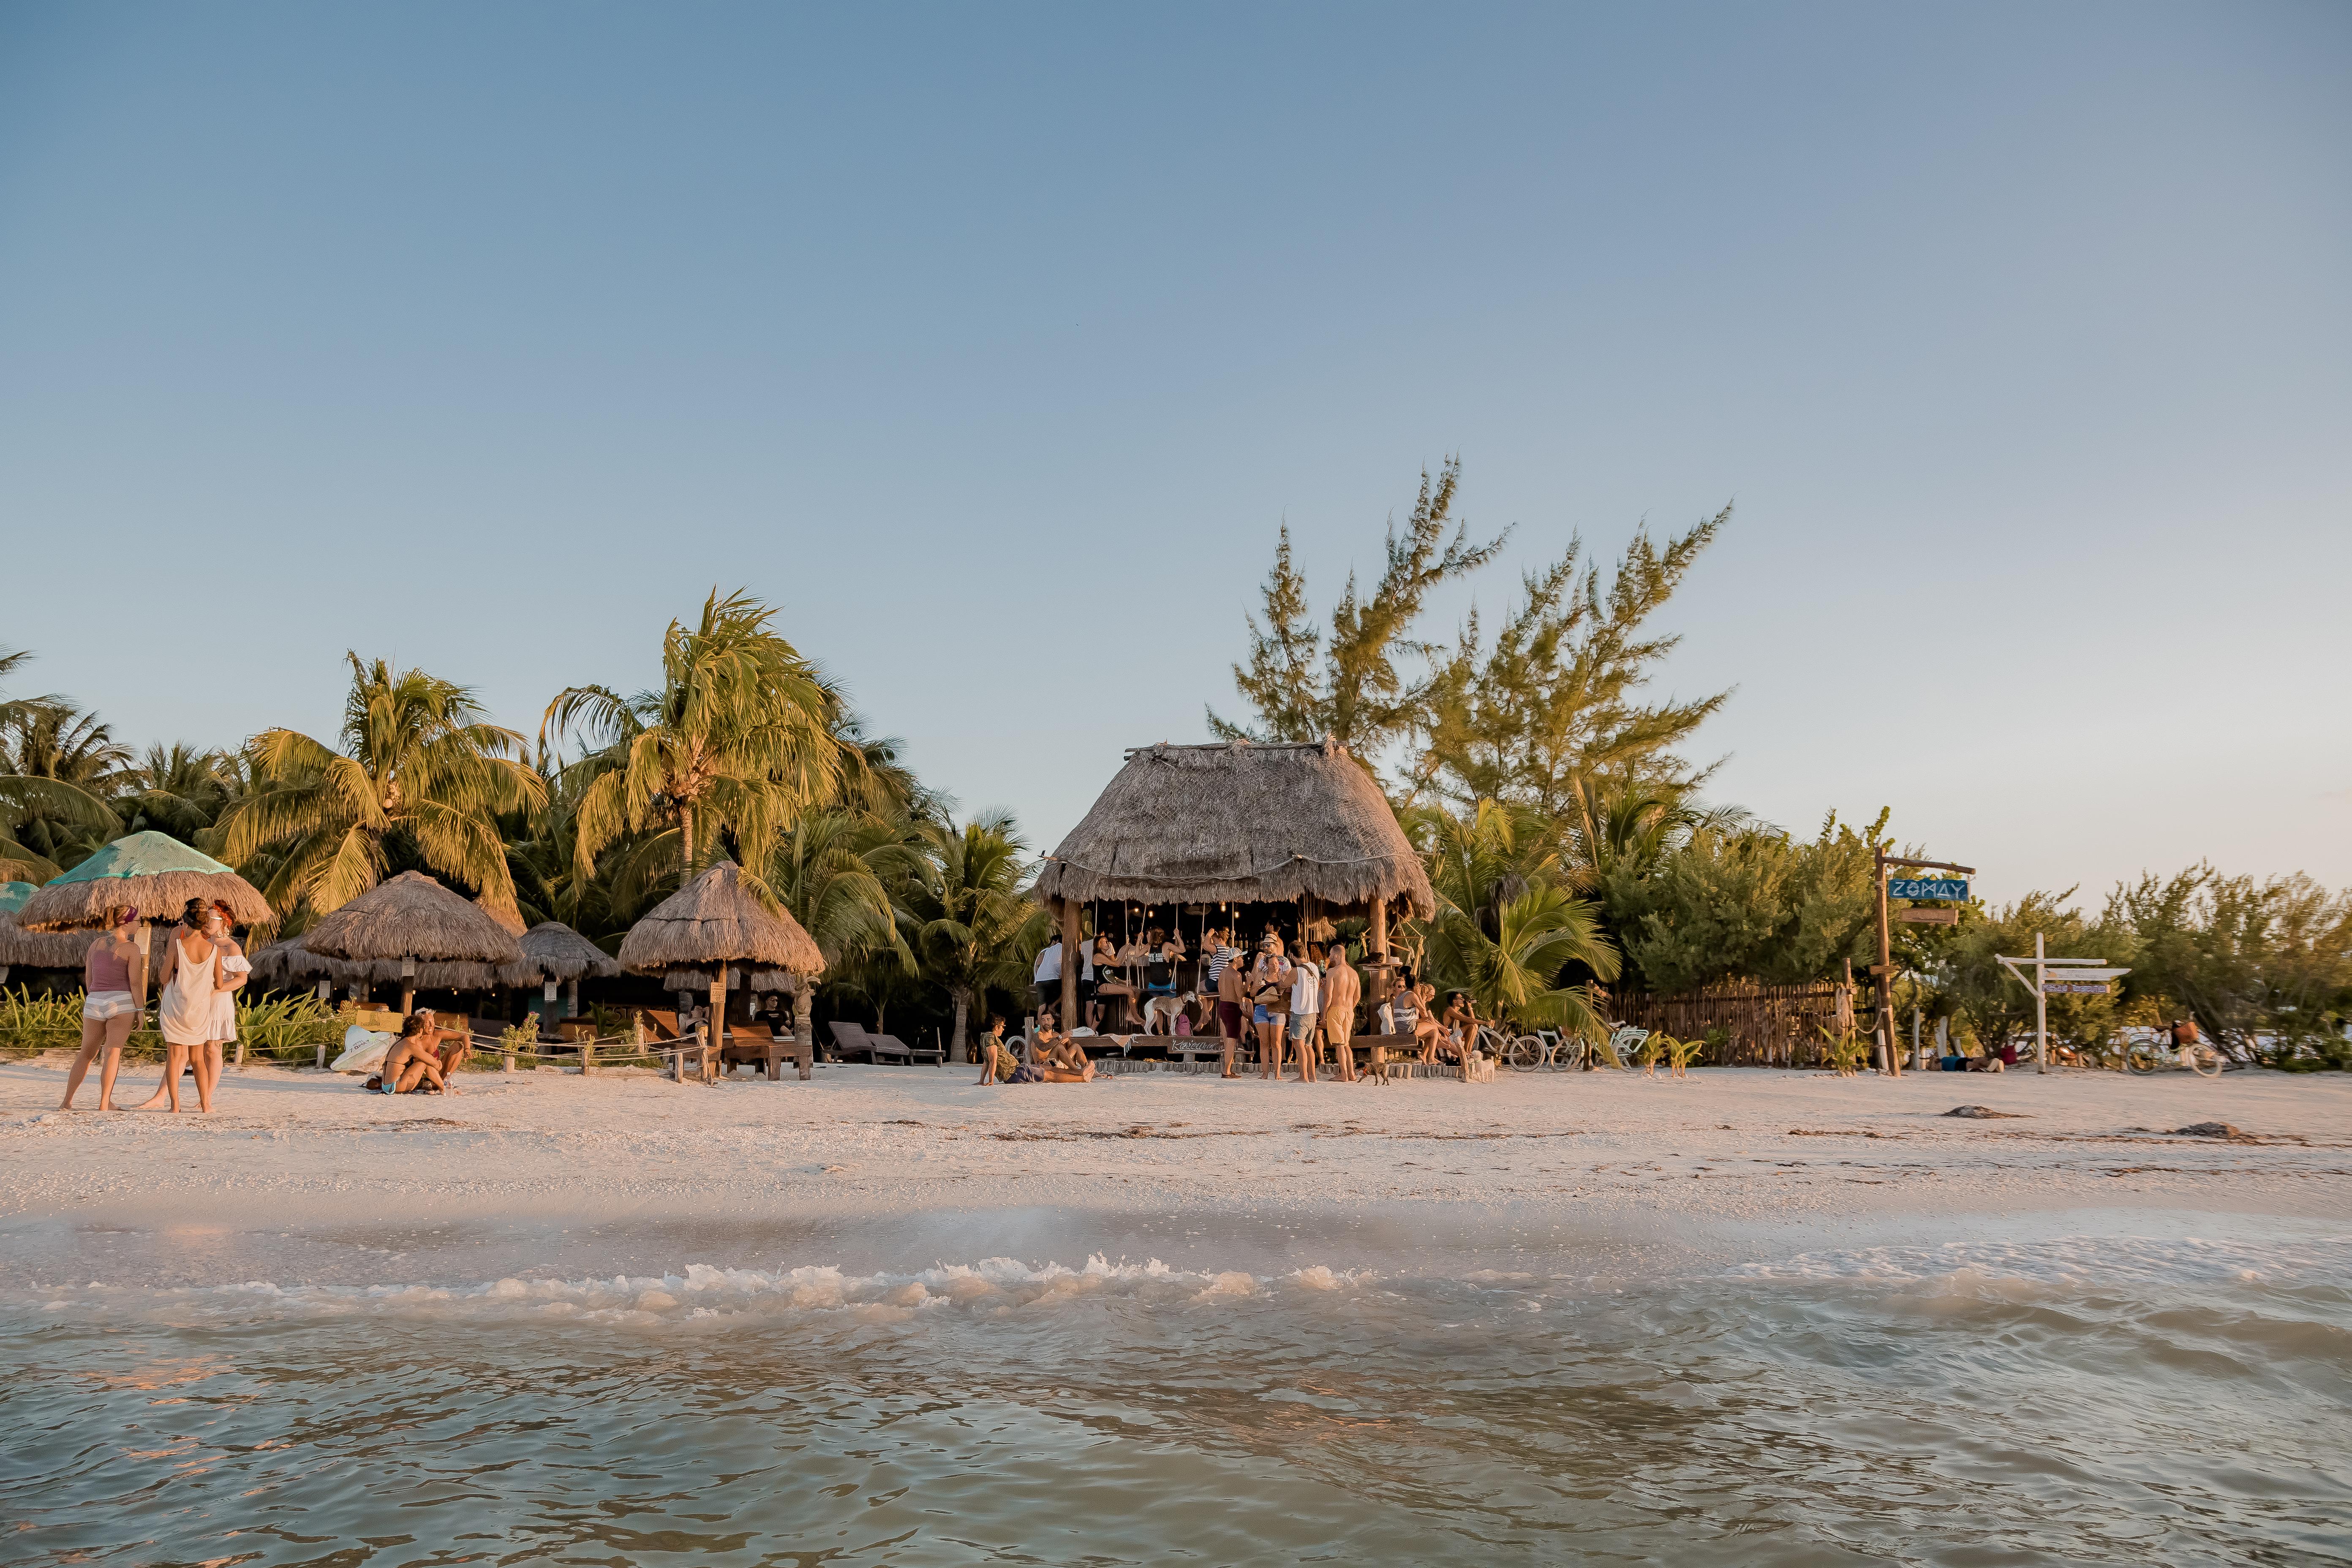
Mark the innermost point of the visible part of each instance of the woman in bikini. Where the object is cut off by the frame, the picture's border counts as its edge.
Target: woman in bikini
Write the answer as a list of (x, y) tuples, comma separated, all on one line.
[(114, 993)]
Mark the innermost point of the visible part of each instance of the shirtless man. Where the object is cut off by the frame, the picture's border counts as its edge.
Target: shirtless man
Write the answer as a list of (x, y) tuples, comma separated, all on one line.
[(418, 1056), (1061, 1059)]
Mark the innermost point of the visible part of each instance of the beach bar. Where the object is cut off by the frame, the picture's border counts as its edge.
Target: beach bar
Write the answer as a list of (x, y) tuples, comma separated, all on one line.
[(1240, 835)]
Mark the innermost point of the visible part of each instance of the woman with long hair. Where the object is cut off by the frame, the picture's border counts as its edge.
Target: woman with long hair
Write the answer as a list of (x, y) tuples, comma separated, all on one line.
[(1270, 1003), (114, 993), (184, 1006), (233, 970)]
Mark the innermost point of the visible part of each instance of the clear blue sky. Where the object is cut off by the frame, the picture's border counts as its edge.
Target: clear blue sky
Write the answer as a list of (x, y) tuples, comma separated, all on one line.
[(994, 343)]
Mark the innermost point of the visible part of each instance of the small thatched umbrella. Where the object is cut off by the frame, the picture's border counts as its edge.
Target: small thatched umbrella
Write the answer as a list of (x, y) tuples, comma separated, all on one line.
[(155, 875), (22, 949), (1238, 823), (553, 952), (714, 923), (412, 920), (150, 872)]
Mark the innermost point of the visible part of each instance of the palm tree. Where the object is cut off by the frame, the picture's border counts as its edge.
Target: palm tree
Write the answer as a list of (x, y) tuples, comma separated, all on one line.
[(978, 931), (1632, 827), (1507, 926), (419, 767), (55, 764), (844, 876), (739, 739), (178, 790)]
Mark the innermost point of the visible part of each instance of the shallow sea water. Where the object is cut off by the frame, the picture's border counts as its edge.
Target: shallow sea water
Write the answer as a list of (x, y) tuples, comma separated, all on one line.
[(2067, 1399)]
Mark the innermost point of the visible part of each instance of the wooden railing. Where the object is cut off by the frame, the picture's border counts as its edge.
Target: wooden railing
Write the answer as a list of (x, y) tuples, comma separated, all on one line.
[(1768, 1025)]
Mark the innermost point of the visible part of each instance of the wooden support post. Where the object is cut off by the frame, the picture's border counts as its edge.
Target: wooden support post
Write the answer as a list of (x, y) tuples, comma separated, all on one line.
[(587, 1058), (803, 1025), (240, 1053), (1883, 977), (506, 1063), (1069, 1013), (1380, 933), (718, 1034), (323, 1056)]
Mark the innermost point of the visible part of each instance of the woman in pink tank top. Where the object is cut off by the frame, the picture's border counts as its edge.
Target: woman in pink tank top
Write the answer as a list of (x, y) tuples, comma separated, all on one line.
[(114, 993)]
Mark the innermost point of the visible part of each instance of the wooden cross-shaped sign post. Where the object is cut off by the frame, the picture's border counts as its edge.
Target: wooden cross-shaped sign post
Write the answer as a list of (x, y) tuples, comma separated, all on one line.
[(1882, 971), (2075, 977)]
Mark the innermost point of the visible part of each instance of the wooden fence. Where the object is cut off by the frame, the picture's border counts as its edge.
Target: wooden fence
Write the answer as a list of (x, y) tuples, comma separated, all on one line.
[(1770, 1025)]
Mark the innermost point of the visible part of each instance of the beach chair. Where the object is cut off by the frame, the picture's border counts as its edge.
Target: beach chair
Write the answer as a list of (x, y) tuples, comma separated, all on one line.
[(1619, 1042), (892, 1047), (847, 1036)]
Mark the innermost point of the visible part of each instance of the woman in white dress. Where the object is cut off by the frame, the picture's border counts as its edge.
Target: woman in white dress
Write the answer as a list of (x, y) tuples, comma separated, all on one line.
[(228, 979), (184, 1006)]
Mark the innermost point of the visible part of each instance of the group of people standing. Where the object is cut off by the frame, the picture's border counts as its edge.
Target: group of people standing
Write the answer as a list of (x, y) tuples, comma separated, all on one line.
[(196, 1008), (1293, 1008)]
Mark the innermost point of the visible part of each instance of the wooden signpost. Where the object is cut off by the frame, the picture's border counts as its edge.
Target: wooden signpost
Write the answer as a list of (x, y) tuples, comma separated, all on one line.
[(2074, 977), (1882, 971)]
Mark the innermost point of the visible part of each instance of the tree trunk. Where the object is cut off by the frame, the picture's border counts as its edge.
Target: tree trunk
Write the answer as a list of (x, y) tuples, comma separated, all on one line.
[(962, 1011), (686, 844)]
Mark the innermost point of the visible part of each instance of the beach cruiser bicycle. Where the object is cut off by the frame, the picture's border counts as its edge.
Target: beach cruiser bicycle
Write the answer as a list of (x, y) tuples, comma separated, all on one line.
[(2152, 1054)]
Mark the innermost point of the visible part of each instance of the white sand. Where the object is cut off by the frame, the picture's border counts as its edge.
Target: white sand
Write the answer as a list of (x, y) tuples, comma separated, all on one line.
[(1727, 1147)]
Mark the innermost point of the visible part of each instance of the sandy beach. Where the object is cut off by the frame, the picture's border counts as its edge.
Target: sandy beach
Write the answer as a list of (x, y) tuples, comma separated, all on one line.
[(868, 1167)]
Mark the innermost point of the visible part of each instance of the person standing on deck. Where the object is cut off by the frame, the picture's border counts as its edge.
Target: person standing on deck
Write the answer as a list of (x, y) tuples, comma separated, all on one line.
[(1342, 989), (1233, 996), (1306, 1001), (1048, 975)]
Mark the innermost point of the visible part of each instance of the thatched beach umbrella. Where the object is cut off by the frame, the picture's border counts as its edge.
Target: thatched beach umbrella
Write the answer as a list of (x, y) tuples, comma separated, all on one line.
[(714, 923), (1241, 823), (22, 949), (150, 872), (553, 952), (414, 922)]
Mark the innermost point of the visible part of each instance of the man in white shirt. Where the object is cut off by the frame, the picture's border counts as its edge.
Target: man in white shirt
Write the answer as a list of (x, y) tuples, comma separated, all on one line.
[(1306, 998), (1048, 977)]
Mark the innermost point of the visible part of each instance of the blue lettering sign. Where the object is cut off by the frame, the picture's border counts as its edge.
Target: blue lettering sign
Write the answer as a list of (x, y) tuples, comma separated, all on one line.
[(1905, 888)]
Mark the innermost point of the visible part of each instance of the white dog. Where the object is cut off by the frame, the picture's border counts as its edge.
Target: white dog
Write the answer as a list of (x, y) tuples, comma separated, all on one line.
[(1160, 1013)]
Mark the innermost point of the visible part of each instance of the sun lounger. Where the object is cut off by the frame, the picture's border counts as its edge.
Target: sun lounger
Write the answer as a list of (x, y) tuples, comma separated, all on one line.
[(890, 1046), (849, 1036)]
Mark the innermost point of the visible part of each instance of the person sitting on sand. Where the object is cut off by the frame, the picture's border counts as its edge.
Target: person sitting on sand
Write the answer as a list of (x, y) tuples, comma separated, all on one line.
[(416, 1057), (997, 1062), (1065, 1061)]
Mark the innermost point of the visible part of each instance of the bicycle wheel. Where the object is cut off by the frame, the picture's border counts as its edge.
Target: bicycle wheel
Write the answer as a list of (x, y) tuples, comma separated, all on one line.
[(1525, 1054), (2204, 1061), (2142, 1057)]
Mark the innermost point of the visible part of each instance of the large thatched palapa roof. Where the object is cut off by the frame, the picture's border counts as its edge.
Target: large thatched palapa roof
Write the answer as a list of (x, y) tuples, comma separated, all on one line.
[(714, 920), (153, 873), (553, 951), (1241, 823), (288, 962), (413, 916)]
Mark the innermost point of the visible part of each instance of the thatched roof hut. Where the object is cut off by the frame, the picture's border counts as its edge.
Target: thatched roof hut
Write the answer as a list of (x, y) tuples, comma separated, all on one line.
[(1242, 824), (22, 949), (154, 874), (553, 951), (452, 943), (714, 920), (288, 962), (413, 916)]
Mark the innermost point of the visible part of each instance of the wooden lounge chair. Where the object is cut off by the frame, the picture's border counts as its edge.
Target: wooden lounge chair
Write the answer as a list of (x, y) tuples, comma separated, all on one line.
[(847, 1036), (890, 1046)]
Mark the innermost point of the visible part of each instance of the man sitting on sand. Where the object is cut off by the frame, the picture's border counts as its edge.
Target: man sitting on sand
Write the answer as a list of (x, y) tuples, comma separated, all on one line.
[(419, 1057), (1060, 1058)]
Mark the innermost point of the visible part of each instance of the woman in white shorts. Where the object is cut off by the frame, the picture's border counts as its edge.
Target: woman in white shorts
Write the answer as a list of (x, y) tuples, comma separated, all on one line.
[(114, 993)]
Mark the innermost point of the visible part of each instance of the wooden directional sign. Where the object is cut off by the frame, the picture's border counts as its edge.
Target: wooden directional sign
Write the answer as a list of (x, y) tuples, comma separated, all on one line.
[(1950, 887), (1928, 917), (2073, 988)]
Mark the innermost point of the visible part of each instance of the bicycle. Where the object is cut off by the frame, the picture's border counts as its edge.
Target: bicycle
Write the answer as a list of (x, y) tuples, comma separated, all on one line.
[(2147, 1056), (1538, 1051)]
